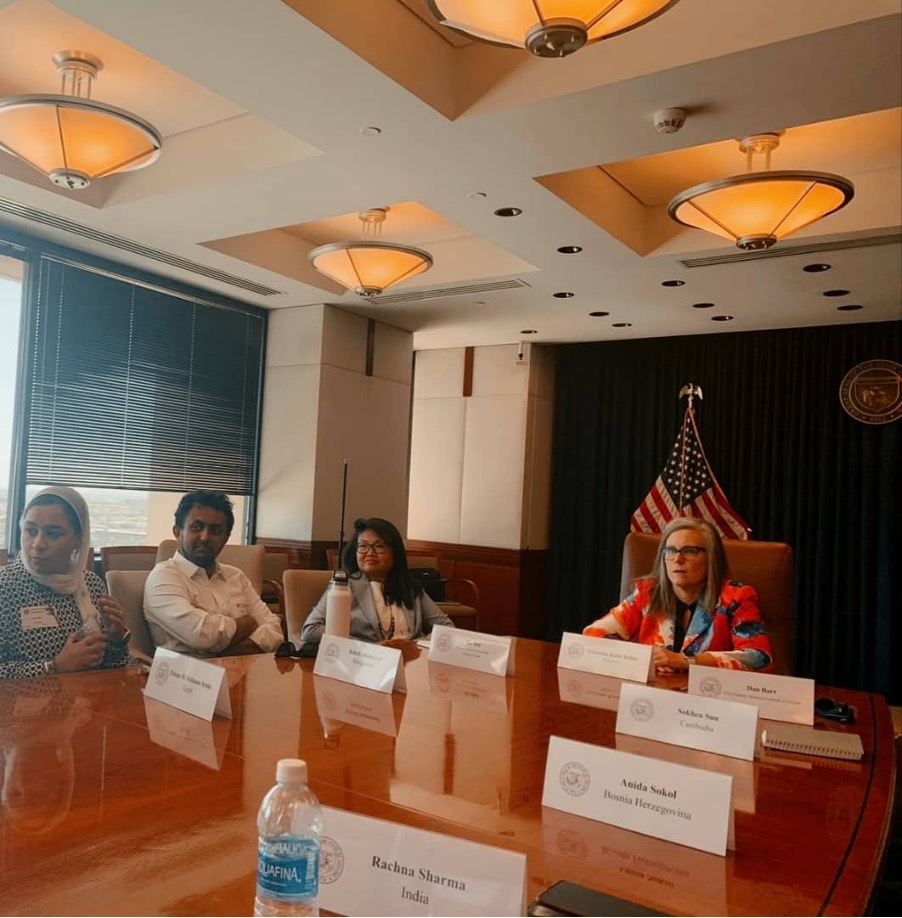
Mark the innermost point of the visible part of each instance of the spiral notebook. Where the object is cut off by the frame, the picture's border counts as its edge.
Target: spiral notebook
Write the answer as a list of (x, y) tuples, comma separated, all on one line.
[(807, 740)]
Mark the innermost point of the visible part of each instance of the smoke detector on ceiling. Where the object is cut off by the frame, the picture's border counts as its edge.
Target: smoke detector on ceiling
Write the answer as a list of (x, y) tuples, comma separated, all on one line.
[(669, 120)]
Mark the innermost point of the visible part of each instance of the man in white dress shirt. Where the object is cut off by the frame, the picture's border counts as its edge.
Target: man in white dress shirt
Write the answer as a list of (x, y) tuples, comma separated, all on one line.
[(194, 604)]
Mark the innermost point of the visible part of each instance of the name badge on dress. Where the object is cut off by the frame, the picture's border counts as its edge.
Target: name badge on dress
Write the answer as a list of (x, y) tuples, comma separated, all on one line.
[(33, 617)]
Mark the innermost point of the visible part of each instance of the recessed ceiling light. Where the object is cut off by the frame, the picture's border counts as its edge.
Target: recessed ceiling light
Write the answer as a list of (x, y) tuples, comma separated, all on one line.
[(623, 325), (702, 305), (476, 194), (673, 283), (563, 294), (721, 318), (570, 249), (849, 307), (508, 212), (599, 313), (817, 268), (528, 331), (371, 131), (836, 293)]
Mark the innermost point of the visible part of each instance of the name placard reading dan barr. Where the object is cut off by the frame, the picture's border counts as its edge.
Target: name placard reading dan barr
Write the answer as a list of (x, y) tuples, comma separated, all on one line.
[(788, 698), (680, 804), (372, 867), (606, 657), (371, 666), (724, 727)]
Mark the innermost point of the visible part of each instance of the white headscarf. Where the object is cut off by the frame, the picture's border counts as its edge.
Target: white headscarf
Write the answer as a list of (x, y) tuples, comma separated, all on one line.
[(72, 582)]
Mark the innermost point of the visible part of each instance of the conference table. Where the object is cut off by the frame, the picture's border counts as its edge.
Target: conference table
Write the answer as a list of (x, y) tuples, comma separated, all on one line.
[(115, 804)]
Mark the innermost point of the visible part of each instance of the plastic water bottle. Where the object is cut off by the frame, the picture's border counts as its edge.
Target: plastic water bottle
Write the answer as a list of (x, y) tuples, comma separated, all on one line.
[(338, 605), (289, 825)]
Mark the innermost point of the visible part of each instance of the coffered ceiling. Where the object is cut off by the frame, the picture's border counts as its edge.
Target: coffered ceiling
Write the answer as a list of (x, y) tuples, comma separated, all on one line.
[(281, 119)]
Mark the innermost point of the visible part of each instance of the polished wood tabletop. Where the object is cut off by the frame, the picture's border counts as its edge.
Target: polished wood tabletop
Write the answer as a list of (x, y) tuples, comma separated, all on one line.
[(117, 805)]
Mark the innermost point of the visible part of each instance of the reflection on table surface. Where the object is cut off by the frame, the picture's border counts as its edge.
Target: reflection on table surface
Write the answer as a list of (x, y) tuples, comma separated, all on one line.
[(111, 808)]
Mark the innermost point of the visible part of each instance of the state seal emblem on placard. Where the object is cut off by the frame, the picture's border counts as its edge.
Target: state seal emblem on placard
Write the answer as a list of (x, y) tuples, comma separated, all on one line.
[(710, 686), (574, 779), (576, 651), (162, 673), (872, 392), (642, 710), (443, 642), (332, 652), (331, 860)]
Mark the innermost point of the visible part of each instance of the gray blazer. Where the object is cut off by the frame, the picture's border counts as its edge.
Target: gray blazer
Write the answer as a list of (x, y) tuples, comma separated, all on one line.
[(364, 620)]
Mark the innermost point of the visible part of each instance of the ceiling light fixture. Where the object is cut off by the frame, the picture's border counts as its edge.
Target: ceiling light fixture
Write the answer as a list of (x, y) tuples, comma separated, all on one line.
[(546, 28), (69, 137), (369, 266), (757, 209)]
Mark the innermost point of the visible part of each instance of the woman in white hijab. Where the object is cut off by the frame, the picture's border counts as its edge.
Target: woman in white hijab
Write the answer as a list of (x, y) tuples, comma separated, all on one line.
[(55, 616)]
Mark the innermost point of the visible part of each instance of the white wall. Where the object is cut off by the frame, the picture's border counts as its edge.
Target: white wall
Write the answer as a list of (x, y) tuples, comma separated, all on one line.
[(480, 466)]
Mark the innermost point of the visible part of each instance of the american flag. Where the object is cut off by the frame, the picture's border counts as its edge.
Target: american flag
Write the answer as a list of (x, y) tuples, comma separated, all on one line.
[(687, 487)]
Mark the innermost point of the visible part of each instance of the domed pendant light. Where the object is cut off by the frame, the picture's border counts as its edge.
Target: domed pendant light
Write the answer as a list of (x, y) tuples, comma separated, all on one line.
[(370, 265), (69, 137), (757, 209), (546, 28)]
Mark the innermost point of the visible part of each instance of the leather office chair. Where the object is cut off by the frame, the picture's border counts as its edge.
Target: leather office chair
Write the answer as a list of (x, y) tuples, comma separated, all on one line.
[(767, 566), (302, 590), (127, 588), (128, 557), (248, 558)]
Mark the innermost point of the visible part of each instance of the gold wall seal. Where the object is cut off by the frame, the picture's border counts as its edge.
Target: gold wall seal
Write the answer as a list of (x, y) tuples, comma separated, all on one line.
[(872, 392)]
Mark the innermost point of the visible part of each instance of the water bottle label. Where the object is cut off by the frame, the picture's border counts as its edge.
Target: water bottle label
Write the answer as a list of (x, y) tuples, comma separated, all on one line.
[(288, 869)]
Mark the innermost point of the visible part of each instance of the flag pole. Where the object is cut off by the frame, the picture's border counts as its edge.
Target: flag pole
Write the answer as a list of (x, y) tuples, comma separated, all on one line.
[(690, 391)]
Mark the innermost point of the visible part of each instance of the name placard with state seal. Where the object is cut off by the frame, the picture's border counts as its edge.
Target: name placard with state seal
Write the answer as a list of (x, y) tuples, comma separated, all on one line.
[(606, 657), (788, 698), (724, 727), (674, 802)]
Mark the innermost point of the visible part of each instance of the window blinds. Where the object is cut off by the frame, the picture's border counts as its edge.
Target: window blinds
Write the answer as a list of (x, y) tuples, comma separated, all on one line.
[(133, 386)]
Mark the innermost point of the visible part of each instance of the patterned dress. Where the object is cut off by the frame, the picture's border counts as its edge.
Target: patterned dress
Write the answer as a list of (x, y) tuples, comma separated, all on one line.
[(27, 651), (733, 634)]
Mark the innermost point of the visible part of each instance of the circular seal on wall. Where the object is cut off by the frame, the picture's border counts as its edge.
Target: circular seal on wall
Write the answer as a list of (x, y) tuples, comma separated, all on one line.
[(872, 392), (574, 778), (575, 651), (710, 686), (642, 710), (331, 860), (332, 652), (443, 642), (162, 673)]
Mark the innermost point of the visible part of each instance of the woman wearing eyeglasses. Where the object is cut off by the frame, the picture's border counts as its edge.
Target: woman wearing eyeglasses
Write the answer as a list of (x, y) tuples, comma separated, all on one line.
[(387, 603), (689, 608)]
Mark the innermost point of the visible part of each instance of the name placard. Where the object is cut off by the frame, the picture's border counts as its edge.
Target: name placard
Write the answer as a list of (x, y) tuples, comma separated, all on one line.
[(202, 740), (777, 697), (680, 804), (372, 666), (723, 727), (350, 704), (486, 653), (468, 686), (606, 657), (189, 684), (589, 689), (372, 867)]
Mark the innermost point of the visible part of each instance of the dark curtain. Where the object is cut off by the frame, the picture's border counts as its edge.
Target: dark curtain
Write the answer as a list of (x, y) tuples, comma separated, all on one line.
[(788, 457)]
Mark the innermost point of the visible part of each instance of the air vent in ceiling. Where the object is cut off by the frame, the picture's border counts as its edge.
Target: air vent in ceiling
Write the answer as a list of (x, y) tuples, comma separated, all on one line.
[(33, 215), (778, 251), (414, 296)]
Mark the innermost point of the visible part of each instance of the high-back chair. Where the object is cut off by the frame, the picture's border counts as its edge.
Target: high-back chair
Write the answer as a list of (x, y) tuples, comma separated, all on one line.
[(250, 559), (302, 591), (127, 588), (128, 557), (767, 566)]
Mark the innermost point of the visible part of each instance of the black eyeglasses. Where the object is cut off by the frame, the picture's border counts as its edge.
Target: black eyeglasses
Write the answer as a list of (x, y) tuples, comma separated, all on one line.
[(687, 551), (835, 710)]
